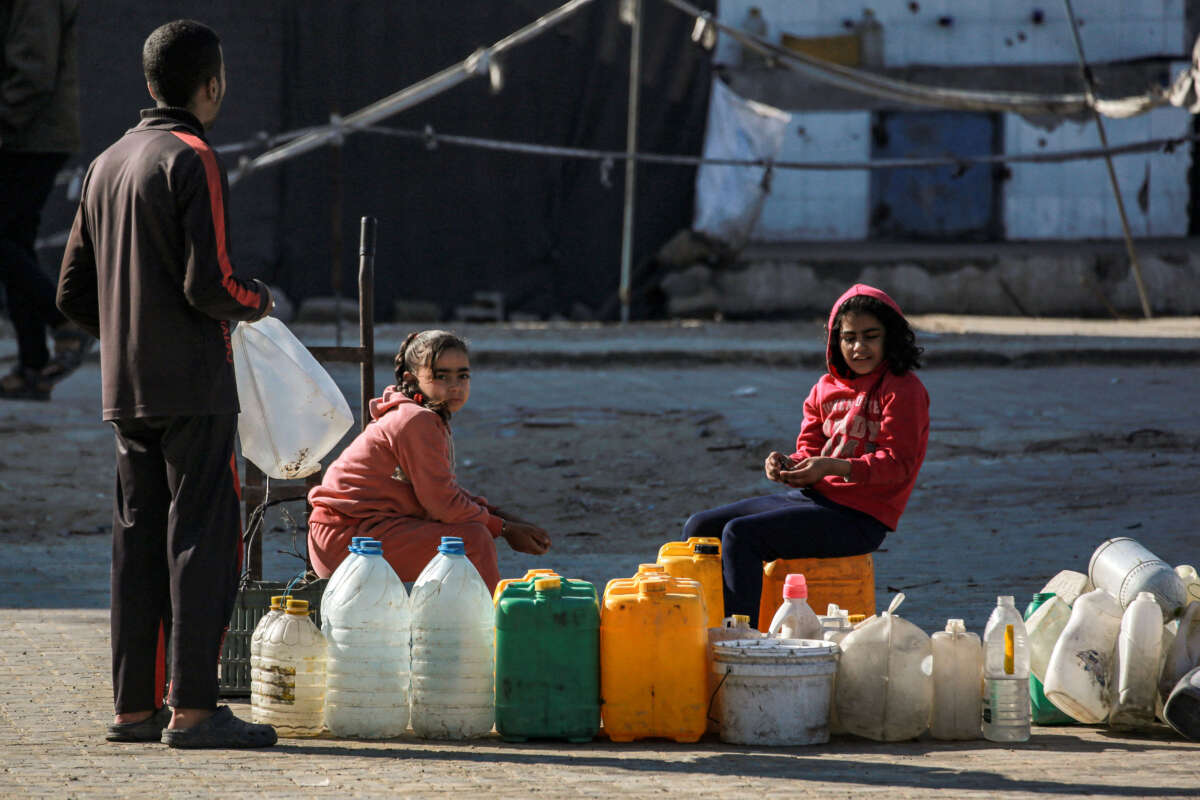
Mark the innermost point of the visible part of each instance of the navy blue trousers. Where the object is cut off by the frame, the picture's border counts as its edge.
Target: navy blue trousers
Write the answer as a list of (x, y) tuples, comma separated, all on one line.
[(800, 523)]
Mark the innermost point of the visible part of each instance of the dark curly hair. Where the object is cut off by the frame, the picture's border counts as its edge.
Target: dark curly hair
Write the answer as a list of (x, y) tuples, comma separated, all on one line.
[(900, 348), (421, 349)]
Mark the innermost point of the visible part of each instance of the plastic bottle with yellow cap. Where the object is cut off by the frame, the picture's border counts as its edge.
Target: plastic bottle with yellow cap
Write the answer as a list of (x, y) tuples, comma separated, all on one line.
[(289, 682), (274, 612), (699, 558), (1006, 714), (653, 659), (548, 660)]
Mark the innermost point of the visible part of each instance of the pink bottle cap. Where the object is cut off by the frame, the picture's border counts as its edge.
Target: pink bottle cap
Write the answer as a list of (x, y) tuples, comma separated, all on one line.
[(795, 587)]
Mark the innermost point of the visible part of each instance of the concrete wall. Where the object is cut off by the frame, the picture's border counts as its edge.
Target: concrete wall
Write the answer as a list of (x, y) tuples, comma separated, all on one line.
[(982, 31)]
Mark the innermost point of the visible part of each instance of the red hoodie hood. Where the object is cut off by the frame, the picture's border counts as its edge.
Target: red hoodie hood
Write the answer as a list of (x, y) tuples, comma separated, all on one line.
[(391, 398), (853, 291)]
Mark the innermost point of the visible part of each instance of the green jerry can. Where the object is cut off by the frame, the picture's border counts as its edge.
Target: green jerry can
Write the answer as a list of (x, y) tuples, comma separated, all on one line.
[(548, 660)]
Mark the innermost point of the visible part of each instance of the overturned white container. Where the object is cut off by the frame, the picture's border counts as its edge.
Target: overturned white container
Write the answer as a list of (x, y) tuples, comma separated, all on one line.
[(1079, 677), (1042, 629), (775, 691), (1123, 567)]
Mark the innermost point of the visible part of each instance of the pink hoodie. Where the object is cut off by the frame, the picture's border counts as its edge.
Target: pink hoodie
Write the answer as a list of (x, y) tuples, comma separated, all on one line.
[(402, 465), (879, 422)]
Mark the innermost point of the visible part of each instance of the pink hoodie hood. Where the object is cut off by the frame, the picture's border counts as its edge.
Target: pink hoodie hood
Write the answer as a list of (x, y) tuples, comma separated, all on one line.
[(392, 398), (853, 291)]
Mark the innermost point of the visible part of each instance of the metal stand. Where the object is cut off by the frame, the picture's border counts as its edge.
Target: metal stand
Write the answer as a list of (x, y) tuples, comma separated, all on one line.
[(254, 488)]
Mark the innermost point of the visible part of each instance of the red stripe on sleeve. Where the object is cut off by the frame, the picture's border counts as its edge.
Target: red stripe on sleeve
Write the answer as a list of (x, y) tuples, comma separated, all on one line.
[(245, 296)]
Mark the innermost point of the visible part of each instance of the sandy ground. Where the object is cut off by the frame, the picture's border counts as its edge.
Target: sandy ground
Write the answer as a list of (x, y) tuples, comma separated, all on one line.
[(1028, 471)]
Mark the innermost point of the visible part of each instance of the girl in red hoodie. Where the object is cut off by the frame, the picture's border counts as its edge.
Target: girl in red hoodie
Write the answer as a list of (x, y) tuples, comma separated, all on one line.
[(866, 425), (396, 482)]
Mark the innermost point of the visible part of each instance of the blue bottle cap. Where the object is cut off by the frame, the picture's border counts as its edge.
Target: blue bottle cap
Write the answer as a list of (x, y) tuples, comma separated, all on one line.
[(451, 546), (371, 547)]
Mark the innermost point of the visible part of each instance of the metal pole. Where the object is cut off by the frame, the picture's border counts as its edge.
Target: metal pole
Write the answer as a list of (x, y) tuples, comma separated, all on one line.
[(366, 314), (336, 205), (635, 69), (1090, 86)]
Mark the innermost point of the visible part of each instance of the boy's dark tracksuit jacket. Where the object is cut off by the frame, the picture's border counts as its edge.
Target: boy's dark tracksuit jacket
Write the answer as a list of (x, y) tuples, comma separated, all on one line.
[(147, 270)]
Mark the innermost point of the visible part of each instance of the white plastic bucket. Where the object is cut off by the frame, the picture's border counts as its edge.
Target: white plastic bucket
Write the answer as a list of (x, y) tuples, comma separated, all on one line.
[(775, 691)]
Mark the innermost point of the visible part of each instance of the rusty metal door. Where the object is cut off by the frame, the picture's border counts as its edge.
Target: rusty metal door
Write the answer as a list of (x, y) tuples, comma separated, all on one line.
[(958, 202)]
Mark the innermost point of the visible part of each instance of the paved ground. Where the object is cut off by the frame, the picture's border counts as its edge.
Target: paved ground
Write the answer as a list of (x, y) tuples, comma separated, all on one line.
[(1029, 468)]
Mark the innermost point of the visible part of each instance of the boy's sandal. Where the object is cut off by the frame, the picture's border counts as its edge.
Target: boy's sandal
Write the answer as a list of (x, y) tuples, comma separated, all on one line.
[(148, 730), (25, 384), (221, 730), (71, 347)]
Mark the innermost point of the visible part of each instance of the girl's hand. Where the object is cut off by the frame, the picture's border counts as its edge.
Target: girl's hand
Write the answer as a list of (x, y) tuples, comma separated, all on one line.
[(526, 538), (775, 463), (811, 470)]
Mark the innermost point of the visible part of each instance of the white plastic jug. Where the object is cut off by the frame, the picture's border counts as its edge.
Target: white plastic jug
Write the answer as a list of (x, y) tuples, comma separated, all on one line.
[(292, 411), (1191, 581), (734, 627), (885, 678), (365, 617), (1123, 567), (835, 623), (957, 678), (1079, 676), (274, 612), (1068, 585), (1184, 652), (795, 619), (1043, 628), (453, 648), (1139, 646), (1006, 711), (290, 679)]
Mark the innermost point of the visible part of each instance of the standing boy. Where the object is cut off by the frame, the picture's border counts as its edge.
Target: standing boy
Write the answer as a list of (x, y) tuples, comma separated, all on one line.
[(147, 270)]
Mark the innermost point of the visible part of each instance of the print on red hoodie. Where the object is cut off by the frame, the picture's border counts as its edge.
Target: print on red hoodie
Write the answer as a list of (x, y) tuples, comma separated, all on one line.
[(879, 422)]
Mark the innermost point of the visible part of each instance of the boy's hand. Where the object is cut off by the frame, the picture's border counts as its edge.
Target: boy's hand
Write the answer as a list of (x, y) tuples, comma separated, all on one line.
[(776, 462), (526, 538), (811, 470)]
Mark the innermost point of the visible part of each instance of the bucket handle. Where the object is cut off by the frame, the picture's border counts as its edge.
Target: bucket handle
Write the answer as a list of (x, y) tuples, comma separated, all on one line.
[(713, 698)]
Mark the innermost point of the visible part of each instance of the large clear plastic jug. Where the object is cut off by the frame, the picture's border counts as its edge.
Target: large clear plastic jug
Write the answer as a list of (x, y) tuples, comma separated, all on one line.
[(1135, 664), (290, 680), (957, 676), (884, 679), (1079, 676), (548, 660), (453, 648), (365, 618), (699, 558), (274, 612), (1042, 639), (653, 643), (1005, 675), (795, 619)]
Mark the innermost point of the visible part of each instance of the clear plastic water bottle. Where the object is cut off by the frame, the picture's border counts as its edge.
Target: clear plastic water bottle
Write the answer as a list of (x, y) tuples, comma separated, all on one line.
[(365, 617), (1006, 716), (795, 619), (453, 648), (290, 679), (274, 612)]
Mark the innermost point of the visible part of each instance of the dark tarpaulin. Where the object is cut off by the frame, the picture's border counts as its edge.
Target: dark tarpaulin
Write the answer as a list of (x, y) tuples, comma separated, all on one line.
[(453, 221)]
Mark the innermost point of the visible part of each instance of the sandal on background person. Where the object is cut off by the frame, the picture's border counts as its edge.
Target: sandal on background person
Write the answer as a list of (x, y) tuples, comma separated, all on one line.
[(71, 346), (221, 730), (148, 730), (25, 384)]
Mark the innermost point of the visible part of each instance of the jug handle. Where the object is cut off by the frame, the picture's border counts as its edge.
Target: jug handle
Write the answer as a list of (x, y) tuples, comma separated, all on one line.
[(896, 601)]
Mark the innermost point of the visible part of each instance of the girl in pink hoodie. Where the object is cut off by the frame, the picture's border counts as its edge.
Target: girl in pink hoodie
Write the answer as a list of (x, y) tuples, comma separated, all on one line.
[(396, 482), (862, 442)]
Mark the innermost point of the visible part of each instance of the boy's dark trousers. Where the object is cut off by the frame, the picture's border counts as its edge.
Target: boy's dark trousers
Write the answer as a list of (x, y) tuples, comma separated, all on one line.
[(176, 555)]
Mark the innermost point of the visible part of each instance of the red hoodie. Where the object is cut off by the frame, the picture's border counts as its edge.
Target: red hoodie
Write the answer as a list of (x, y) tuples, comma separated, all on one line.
[(402, 465), (879, 422)]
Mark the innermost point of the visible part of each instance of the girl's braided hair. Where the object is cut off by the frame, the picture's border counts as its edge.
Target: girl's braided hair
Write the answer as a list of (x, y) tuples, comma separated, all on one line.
[(900, 348), (422, 349)]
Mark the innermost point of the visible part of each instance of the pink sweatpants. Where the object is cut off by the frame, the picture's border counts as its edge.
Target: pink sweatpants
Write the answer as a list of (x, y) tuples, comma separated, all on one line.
[(408, 545)]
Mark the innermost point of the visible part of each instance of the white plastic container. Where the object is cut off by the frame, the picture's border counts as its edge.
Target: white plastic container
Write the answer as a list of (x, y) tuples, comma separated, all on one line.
[(1123, 567), (1139, 647), (1043, 628), (835, 623), (777, 691), (290, 679), (1006, 711), (274, 612), (365, 618), (884, 687), (734, 627), (1079, 676), (1184, 652), (794, 619), (1191, 581), (1068, 585), (957, 678), (453, 648)]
